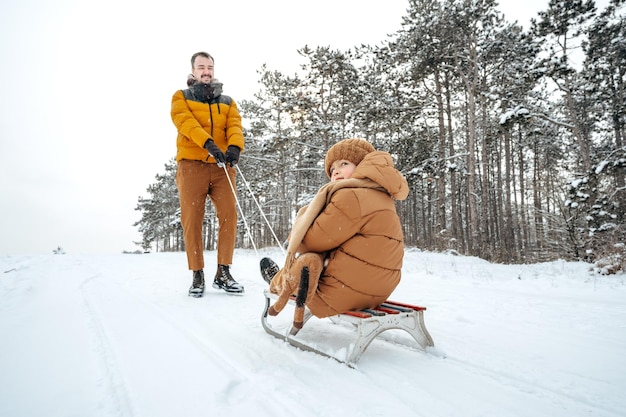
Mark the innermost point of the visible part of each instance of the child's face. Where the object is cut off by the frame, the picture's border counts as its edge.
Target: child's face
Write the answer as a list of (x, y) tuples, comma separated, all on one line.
[(341, 170)]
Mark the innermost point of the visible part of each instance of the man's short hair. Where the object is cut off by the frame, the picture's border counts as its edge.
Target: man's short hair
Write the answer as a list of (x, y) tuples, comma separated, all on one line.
[(203, 54)]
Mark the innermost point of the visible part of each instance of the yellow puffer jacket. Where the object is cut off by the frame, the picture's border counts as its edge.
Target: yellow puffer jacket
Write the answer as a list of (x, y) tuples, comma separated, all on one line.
[(196, 122)]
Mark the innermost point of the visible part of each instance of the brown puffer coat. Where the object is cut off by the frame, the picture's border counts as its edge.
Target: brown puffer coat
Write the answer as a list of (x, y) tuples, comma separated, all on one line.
[(197, 121), (361, 231)]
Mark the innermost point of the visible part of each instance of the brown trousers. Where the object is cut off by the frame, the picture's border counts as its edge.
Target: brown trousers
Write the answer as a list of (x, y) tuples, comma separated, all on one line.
[(195, 181)]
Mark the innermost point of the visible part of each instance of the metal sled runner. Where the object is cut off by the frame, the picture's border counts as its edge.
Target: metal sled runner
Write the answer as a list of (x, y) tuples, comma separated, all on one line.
[(369, 324)]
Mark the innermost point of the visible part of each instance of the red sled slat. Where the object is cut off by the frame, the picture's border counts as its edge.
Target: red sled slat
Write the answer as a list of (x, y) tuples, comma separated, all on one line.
[(358, 314), (412, 307), (387, 310)]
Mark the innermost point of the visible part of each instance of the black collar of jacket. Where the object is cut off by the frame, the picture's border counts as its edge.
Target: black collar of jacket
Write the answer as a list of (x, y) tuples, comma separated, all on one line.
[(198, 92)]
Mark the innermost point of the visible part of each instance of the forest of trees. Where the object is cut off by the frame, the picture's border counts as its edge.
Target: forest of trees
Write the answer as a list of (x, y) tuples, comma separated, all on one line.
[(512, 141)]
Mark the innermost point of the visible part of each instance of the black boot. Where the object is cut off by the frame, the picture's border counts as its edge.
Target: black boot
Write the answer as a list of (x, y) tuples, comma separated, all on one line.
[(268, 269), (224, 281), (197, 286)]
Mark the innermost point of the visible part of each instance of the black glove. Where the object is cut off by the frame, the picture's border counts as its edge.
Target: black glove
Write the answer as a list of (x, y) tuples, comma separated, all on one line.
[(215, 152), (232, 155)]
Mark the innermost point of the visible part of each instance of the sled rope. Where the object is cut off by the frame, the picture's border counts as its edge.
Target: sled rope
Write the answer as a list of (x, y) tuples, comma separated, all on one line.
[(232, 188), (260, 210)]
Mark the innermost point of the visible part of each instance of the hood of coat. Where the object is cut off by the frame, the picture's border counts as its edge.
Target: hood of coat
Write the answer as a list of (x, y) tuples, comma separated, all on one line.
[(378, 166)]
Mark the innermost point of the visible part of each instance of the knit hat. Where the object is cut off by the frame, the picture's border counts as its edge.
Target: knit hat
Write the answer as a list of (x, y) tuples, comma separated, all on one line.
[(353, 150)]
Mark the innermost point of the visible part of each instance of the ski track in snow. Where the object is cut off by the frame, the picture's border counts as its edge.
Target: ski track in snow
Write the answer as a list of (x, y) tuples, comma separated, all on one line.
[(230, 376), (121, 402), (118, 336)]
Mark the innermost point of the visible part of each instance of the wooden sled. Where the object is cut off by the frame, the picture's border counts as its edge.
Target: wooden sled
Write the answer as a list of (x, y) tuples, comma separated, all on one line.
[(369, 324)]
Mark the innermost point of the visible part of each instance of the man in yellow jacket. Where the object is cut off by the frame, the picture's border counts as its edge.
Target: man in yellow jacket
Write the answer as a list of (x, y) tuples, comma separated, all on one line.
[(210, 139)]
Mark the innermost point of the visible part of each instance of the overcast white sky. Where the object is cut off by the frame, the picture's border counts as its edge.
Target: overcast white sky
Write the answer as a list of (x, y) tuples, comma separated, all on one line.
[(86, 90)]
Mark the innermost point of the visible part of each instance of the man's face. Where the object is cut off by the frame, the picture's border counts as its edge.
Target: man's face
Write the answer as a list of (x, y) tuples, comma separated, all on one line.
[(203, 70)]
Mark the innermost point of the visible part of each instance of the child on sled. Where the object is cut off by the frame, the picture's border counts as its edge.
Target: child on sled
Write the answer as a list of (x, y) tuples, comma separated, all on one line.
[(346, 247)]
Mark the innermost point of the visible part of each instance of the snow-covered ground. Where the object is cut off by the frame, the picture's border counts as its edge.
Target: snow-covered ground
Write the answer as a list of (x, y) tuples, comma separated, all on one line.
[(117, 335)]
